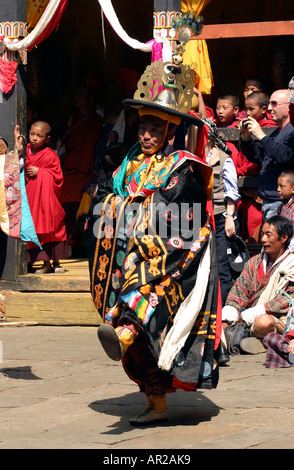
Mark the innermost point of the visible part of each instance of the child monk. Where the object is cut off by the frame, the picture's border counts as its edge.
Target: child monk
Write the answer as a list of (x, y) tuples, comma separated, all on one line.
[(250, 214), (44, 181), (227, 111), (252, 84), (256, 106)]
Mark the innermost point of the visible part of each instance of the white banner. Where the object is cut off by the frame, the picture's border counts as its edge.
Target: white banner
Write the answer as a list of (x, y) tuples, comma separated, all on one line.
[(15, 45), (110, 14)]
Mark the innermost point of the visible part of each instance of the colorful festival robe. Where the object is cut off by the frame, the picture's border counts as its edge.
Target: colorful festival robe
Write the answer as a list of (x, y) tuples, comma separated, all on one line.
[(141, 271)]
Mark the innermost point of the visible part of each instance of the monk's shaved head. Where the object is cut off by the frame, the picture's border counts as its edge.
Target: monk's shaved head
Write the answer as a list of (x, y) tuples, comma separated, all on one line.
[(42, 125)]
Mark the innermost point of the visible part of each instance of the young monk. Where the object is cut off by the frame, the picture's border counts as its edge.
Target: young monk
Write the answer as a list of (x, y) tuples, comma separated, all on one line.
[(256, 106), (252, 84), (227, 110), (44, 180)]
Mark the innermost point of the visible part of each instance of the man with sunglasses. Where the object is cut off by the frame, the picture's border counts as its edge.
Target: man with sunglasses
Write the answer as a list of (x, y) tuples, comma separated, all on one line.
[(275, 152)]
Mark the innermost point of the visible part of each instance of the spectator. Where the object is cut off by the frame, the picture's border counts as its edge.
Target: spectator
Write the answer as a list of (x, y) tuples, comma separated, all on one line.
[(225, 199), (77, 152), (286, 193), (252, 84), (227, 111), (256, 297), (249, 209), (44, 181), (274, 153)]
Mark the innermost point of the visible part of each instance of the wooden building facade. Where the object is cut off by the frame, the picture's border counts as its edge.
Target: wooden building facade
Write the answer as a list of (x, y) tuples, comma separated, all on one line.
[(243, 37)]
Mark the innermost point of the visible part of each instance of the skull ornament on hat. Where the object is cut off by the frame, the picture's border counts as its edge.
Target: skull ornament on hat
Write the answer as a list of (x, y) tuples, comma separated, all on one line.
[(175, 82)]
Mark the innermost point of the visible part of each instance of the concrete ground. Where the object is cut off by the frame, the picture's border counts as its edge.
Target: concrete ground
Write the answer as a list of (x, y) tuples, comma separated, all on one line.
[(58, 390)]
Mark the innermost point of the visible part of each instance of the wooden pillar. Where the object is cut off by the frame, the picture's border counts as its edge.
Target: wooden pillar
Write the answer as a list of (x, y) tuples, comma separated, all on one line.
[(13, 111)]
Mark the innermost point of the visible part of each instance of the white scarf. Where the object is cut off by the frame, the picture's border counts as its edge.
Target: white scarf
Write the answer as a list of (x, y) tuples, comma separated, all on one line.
[(283, 274)]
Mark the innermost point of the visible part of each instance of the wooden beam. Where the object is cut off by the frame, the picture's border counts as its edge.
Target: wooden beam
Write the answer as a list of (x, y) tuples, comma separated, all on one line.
[(247, 30)]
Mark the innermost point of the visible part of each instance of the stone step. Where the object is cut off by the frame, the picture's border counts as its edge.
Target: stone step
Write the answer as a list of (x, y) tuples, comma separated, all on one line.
[(51, 299), (75, 279), (52, 308)]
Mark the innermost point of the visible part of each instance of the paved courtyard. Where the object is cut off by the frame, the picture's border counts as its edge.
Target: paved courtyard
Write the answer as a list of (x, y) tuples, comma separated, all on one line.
[(58, 390)]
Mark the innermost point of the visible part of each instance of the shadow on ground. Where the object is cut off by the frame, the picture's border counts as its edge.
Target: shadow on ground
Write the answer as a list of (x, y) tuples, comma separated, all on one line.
[(184, 409), (24, 373)]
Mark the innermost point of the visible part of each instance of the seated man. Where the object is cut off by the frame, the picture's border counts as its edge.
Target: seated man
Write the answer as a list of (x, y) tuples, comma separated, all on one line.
[(257, 296)]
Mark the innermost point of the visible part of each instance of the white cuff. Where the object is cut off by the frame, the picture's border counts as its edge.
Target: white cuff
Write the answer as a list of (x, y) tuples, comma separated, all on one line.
[(230, 314), (251, 314)]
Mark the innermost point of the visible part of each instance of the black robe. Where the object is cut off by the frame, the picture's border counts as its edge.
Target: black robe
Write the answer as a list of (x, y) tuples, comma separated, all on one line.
[(143, 258)]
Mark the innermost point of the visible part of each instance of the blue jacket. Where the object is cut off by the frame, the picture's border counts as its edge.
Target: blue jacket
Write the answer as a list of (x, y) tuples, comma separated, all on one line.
[(275, 153)]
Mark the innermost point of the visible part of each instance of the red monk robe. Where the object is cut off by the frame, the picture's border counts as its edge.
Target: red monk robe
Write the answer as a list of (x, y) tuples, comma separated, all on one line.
[(43, 192), (80, 142)]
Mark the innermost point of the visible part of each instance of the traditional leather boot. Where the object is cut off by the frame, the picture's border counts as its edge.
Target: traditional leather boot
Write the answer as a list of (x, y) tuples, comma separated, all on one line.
[(156, 411), (116, 341), (252, 345)]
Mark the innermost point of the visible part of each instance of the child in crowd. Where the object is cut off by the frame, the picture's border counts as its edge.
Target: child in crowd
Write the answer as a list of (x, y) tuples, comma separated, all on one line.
[(44, 181), (250, 213), (256, 105), (227, 110), (286, 193), (252, 84)]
